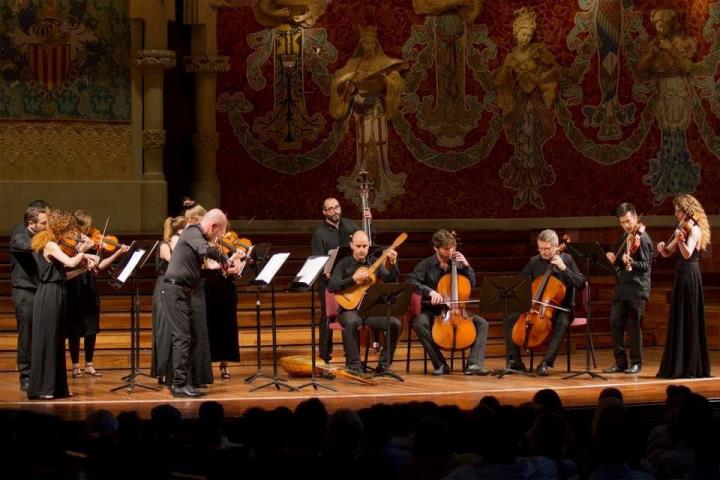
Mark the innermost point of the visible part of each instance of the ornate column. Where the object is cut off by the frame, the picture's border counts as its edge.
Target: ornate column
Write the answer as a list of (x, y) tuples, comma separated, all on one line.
[(206, 188)]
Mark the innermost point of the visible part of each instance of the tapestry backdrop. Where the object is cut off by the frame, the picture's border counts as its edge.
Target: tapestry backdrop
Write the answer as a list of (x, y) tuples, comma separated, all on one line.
[(493, 109)]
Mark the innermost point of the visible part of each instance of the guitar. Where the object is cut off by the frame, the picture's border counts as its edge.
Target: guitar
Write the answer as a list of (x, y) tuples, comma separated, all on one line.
[(350, 298)]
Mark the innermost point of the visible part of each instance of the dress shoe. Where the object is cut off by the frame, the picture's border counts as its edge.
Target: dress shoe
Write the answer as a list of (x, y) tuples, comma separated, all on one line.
[(517, 366), (24, 384), (186, 392), (381, 369), (615, 369), (634, 368), (441, 370), (475, 369), (543, 369), (355, 370)]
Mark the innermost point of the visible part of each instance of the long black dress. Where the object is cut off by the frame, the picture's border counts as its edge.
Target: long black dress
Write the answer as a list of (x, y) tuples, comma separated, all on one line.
[(48, 373), (686, 352), (160, 362), (83, 305), (221, 299)]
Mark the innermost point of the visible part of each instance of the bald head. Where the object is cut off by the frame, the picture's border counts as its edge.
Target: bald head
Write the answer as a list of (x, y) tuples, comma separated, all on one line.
[(214, 223), (359, 243)]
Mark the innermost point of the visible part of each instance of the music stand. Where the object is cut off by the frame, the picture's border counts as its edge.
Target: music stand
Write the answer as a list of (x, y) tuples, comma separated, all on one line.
[(256, 259), (592, 256), (263, 279), (133, 261), (507, 294), (386, 300), (304, 281)]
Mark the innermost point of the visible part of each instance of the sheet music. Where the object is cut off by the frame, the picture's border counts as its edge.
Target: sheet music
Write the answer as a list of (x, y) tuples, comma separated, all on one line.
[(311, 269), (131, 264), (272, 267)]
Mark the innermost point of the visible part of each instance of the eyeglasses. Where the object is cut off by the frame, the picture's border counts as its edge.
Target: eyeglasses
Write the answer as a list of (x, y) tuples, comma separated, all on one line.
[(330, 209)]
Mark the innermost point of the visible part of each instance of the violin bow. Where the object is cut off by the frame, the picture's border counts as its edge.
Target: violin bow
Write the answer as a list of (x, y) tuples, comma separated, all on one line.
[(102, 238)]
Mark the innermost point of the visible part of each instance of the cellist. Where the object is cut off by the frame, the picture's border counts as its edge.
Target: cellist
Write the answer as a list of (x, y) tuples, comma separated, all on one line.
[(425, 277), (565, 270), (632, 257)]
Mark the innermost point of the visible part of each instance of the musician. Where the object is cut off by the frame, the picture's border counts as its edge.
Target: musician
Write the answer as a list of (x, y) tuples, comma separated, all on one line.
[(345, 275), (334, 231), (564, 268), (632, 290), (24, 282), (425, 278), (181, 278)]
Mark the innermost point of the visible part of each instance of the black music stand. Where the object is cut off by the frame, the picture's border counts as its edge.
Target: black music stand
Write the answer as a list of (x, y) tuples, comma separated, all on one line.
[(386, 300), (507, 294), (592, 257), (133, 261), (304, 282), (263, 279), (256, 261)]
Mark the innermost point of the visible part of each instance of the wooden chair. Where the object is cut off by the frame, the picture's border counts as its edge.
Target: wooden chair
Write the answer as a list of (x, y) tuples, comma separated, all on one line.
[(414, 311)]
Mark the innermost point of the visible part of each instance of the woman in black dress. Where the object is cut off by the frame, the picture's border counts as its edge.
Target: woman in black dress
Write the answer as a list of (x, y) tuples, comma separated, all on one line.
[(83, 305), (686, 352), (160, 363), (48, 376), (221, 299)]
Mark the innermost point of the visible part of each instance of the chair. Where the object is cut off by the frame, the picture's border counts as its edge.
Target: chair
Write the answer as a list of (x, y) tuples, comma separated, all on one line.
[(414, 311), (580, 319), (331, 312)]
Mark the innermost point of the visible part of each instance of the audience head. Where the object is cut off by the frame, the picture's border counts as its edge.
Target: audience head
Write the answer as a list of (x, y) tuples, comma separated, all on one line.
[(101, 423), (549, 400), (344, 431), (611, 392), (165, 419)]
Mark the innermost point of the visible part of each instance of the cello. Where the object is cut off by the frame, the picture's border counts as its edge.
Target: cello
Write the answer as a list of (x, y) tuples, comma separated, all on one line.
[(454, 329), (533, 328)]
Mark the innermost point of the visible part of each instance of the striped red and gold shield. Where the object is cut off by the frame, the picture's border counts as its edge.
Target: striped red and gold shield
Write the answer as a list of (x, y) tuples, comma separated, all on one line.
[(50, 64)]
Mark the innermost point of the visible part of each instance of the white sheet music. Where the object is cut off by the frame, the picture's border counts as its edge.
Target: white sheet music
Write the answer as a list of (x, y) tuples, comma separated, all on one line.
[(310, 269), (131, 264), (272, 267)]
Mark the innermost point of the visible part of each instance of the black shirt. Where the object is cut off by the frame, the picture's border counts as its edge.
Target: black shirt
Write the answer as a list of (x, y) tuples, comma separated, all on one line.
[(187, 257), (636, 283), (427, 273), (327, 237), (571, 276), (24, 273), (341, 277)]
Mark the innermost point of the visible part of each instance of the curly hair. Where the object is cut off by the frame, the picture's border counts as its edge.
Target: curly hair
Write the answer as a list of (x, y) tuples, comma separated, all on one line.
[(59, 223), (690, 204)]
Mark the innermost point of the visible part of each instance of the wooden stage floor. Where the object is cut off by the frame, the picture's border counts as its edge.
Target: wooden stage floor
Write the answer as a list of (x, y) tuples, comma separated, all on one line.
[(93, 393)]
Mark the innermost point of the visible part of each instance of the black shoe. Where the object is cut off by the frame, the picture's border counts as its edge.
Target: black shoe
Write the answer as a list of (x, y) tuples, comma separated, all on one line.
[(634, 368), (381, 369), (475, 369), (24, 384), (615, 369), (186, 392), (518, 366), (355, 370), (441, 370), (542, 369)]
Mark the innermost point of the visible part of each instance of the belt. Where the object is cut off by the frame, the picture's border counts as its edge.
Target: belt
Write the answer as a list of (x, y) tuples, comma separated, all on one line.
[(172, 281)]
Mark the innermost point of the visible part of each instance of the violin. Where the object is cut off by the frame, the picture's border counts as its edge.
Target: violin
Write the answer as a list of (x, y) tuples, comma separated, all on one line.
[(631, 243), (533, 328), (454, 330), (70, 242), (231, 243), (107, 243)]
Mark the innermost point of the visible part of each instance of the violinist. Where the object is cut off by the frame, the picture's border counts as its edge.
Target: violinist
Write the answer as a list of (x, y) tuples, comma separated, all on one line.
[(632, 258), (83, 304), (181, 278), (24, 282), (686, 352), (346, 274), (425, 278), (565, 270), (334, 231)]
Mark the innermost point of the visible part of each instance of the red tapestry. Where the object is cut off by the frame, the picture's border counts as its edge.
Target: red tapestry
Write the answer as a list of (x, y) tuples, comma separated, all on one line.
[(553, 110)]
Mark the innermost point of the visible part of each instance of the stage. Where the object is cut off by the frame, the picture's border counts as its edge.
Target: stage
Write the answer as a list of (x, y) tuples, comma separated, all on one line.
[(465, 391)]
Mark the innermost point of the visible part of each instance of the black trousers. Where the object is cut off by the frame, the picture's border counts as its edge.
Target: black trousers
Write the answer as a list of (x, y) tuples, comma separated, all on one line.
[(325, 342), (351, 323), (175, 303), (422, 324), (627, 314), (560, 326), (23, 300)]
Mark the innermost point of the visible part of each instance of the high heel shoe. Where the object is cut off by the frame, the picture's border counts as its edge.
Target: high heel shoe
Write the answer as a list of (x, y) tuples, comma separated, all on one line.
[(224, 373), (90, 370), (77, 373)]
